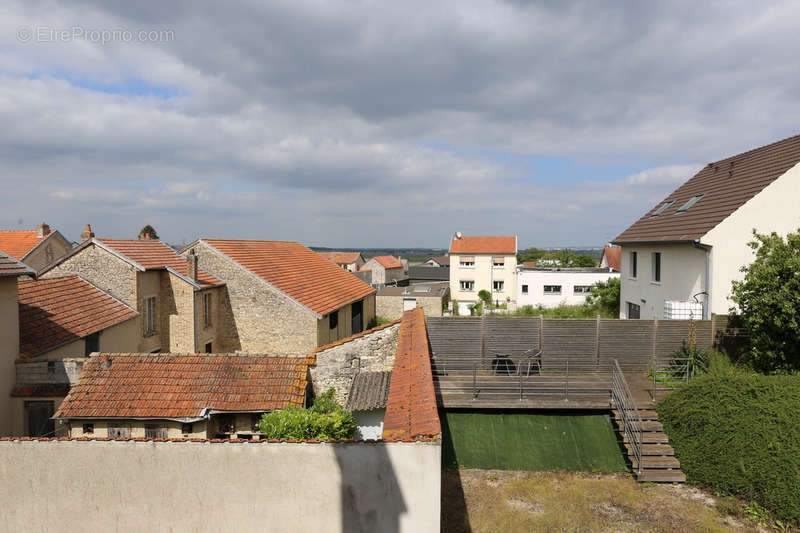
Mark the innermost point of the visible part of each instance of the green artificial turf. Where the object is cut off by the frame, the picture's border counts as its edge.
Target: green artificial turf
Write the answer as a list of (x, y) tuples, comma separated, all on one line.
[(518, 440)]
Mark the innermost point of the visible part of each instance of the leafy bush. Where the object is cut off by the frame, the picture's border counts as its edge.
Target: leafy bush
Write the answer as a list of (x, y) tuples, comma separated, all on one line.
[(605, 297), (562, 311), (740, 433), (477, 309), (485, 296), (324, 420), (378, 320)]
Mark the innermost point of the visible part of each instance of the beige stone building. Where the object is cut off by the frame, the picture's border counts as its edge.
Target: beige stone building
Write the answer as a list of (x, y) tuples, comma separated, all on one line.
[(178, 303), (10, 271), (36, 248), (385, 269), (163, 396), (281, 297), (349, 261), (431, 297), (483, 263)]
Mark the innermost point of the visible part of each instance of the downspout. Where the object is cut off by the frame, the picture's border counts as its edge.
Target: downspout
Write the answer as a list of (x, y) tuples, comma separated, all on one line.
[(707, 278)]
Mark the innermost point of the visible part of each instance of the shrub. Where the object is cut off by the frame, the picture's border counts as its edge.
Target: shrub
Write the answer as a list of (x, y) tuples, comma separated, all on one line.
[(485, 296), (378, 321), (477, 309), (605, 297), (324, 420), (740, 433)]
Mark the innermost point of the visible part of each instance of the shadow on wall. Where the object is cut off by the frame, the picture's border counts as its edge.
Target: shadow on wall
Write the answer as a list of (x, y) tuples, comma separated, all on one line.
[(371, 496)]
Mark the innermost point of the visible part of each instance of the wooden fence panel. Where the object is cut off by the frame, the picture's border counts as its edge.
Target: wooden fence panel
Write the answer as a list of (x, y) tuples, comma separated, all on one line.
[(569, 338), (455, 336), (629, 341), (511, 335)]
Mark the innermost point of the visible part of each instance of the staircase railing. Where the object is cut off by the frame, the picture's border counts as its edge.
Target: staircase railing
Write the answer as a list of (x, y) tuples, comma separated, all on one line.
[(667, 374), (632, 426)]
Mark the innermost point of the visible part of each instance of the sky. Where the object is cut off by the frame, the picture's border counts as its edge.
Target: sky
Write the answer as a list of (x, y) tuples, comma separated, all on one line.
[(379, 124)]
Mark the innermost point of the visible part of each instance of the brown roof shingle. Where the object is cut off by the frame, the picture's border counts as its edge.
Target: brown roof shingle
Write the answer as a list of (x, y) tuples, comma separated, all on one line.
[(10, 266), (55, 311), (483, 245), (411, 411), (154, 254), (184, 386), (727, 185), (297, 271)]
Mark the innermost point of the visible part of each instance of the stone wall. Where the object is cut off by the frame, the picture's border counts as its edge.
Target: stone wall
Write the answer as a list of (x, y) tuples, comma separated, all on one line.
[(223, 486), (54, 248), (392, 306), (178, 307), (205, 334), (338, 365)]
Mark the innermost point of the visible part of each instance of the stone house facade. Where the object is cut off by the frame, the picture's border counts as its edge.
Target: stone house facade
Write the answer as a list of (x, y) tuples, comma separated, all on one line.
[(431, 297), (280, 297), (385, 269), (349, 261)]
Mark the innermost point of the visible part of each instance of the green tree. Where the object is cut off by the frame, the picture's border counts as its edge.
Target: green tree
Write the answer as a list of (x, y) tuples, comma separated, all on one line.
[(605, 297), (768, 300), (149, 230), (485, 296)]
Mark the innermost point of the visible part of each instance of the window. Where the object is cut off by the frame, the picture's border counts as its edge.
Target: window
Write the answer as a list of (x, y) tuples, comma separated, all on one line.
[(150, 316), (207, 309), (155, 431), (119, 431), (634, 264), (467, 285), (634, 311), (656, 278), (186, 429), (582, 289), (524, 289), (552, 289), (333, 320), (225, 424), (497, 285), (88, 428), (39, 422), (209, 348), (498, 262), (662, 208), (693, 200), (92, 344), (467, 262)]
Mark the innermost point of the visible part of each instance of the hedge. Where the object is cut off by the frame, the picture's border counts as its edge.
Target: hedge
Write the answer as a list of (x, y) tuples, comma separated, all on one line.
[(740, 433)]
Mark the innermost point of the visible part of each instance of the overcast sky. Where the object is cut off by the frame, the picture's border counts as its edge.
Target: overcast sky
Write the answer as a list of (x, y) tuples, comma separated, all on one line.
[(365, 124)]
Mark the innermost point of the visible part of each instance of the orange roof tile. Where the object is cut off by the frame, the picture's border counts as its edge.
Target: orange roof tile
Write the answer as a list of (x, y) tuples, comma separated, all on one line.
[(341, 258), (613, 256), (17, 243), (388, 261), (154, 254), (12, 267), (184, 385), (55, 311), (297, 271), (411, 411), (484, 245)]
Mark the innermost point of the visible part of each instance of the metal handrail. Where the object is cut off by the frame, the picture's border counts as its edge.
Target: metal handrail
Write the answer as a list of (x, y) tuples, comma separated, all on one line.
[(669, 373), (631, 419)]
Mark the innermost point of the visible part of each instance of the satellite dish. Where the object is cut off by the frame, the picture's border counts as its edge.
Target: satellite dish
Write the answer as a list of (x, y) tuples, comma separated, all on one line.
[(458, 235)]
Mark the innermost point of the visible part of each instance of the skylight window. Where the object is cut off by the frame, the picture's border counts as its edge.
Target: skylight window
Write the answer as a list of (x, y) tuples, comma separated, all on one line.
[(662, 208), (693, 200)]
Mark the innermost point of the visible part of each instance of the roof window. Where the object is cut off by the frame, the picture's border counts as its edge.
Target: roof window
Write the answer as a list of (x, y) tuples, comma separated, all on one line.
[(662, 208), (693, 200)]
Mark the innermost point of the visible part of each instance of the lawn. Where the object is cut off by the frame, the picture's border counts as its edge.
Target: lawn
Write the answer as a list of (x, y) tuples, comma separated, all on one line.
[(524, 440)]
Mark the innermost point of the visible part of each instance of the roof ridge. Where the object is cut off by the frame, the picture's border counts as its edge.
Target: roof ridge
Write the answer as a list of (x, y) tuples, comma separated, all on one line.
[(755, 149)]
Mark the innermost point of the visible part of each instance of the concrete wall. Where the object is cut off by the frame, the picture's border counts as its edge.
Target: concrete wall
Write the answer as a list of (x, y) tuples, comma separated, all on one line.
[(392, 306), (123, 337), (9, 349), (369, 424), (50, 250), (202, 486), (773, 209), (483, 273), (682, 276), (337, 366), (537, 279)]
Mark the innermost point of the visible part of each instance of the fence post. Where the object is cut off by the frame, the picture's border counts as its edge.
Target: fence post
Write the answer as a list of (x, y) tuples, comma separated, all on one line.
[(655, 340), (713, 329), (474, 381), (520, 385), (566, 388), (541, 331), (597, 340), (483, 339)]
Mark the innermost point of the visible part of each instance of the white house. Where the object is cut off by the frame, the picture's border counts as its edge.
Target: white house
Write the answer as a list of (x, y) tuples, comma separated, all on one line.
[(551, 287), (483, 263), (692, 245)]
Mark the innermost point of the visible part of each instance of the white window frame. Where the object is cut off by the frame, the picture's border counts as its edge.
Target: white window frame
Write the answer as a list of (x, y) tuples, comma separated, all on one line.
[(461, 285), (551, 292), (464, 263), (656, 268), (495, 285), (584, 289), (498, 262), (150, 315)]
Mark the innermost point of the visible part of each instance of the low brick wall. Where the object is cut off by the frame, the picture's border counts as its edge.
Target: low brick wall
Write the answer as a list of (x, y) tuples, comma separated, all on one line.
[(71, 485)]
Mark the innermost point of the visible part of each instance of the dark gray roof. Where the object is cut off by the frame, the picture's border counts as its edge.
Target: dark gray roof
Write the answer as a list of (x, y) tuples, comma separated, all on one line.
[(11, 267), (433, 289), (597, 270), (369, 391), (429, 273)]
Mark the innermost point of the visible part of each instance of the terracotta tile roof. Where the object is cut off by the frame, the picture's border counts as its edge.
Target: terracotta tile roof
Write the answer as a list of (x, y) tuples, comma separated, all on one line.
[(388, 261), (55, 311), (529, 264), (341, 258), (411, 411), (154, 254), (613, 257), (184, 386), (727, 185), (297, 271), (484, 245), (369, 391), (10, 266), (17, 243)]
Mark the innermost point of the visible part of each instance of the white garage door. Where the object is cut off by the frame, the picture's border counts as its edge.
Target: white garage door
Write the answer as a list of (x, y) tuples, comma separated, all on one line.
[(409, 303)]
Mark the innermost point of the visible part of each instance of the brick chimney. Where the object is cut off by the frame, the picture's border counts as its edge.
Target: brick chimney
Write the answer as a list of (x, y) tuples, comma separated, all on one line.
[(87, 233), (42, 230), (191, 265)]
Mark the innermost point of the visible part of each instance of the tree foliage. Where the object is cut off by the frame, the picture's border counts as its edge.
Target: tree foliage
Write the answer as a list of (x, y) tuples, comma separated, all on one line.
[(324, 420), (768, 300), (605, 297), (562, 258), (149, 230), (485, 296)]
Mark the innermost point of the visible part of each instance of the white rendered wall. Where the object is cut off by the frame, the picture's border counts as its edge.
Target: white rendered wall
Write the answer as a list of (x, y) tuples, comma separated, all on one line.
[(537, 279), (483, 273)]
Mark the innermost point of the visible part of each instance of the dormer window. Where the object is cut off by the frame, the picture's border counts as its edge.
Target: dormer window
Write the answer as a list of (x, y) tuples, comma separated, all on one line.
[(693, 200), (663, 207)]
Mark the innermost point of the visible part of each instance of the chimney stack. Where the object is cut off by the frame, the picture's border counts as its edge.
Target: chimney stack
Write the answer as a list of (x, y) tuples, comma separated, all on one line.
[(87, 233), (191, 265), (42, 230)]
